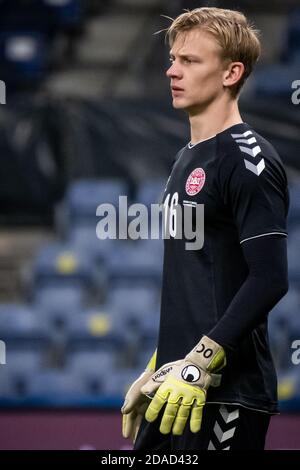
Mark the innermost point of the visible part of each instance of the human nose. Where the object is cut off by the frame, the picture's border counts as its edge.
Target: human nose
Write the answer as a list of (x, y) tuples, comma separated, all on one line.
[(173, 71)]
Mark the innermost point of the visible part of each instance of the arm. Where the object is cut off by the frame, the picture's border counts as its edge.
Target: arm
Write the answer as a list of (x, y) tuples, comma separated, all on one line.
[(259, 204), (266, 283)]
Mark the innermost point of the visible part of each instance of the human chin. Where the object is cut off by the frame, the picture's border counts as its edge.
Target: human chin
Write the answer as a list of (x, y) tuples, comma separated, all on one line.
[(179, 103)]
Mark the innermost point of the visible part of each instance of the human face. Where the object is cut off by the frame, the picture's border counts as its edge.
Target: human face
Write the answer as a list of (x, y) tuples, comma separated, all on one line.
[(197, 71)]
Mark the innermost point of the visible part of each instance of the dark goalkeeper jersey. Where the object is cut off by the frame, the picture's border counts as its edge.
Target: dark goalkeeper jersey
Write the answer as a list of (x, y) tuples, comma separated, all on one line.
[(239, 178)]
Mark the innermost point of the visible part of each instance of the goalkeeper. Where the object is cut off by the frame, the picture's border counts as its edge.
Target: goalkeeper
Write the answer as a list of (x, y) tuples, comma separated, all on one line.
[(215, 382)]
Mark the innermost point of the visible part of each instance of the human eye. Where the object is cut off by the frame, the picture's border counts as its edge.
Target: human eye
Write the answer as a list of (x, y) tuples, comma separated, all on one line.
[(187, 60)]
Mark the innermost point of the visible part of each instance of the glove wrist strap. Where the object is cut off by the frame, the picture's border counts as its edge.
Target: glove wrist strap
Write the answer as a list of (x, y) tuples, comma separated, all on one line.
[(208, 355)]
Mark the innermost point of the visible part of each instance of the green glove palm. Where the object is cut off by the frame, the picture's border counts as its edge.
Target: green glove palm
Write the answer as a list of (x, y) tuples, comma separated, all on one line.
[(184, 389)]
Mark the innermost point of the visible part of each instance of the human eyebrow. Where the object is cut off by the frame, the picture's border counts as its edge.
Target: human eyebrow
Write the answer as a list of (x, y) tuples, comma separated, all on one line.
[(185, 56)]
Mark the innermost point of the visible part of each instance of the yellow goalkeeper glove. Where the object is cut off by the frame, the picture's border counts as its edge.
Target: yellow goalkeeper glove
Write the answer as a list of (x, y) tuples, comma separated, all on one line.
[(184, 389)]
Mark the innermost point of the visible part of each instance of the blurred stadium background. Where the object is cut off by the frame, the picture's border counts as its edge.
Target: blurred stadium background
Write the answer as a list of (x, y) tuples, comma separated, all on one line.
[(88, 117)]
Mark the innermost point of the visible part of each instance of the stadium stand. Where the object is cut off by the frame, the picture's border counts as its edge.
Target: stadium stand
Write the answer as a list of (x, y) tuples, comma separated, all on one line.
[(73, 338)]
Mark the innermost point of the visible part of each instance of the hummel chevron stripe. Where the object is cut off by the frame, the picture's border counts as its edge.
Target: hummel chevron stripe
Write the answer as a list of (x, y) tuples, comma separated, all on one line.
[(228, 416), (246, 141), (253, 152), (221, 435), (240, 136), (256, 169)]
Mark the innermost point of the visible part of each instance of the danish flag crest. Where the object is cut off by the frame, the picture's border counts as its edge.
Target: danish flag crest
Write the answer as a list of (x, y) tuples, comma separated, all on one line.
[(195, 182)]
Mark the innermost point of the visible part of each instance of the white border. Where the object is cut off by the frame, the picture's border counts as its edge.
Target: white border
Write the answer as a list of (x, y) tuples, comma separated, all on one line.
[(190, 145), (265, 234)]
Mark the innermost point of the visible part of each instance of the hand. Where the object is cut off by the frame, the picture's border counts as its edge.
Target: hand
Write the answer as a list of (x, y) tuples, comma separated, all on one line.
[(184, 390), (136, 402), (134, 407)]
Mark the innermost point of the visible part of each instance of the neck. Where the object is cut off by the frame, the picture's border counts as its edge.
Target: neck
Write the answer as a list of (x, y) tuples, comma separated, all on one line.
[(214, 118)]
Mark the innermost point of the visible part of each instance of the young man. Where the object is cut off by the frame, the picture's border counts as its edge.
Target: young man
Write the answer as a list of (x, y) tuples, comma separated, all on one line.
[(213, 345)]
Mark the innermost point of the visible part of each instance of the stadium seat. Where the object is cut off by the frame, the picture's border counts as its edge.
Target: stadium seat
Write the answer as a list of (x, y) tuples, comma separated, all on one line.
[(58, 298), (118, 381), (60, 265), (92, 366), (137, 311), (85, 238), (27, 345), (132, 262), (94, 330), (56, 305), (96, 361), (52, 384), (6, 389), (136, 299), (13, 384), (21, 364), (24, 361), (84, 196), (30, 359), (288, 384), (20, 327)]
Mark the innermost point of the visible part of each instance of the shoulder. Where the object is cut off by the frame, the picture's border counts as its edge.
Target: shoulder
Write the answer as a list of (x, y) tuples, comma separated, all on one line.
[(243, 150)]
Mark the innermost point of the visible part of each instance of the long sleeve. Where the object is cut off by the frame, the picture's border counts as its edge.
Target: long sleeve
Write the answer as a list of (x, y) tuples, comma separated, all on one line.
[(265, 285)]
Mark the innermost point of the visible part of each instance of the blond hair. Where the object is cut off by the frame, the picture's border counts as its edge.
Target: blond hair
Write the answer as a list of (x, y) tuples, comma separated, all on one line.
[(238, 39)]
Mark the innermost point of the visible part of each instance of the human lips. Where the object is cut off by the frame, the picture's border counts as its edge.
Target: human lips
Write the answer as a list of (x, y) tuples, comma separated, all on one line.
[(176, 88), (176, 91)]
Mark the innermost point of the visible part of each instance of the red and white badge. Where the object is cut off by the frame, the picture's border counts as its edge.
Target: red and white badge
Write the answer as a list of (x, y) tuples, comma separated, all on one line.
[(195, 182)]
